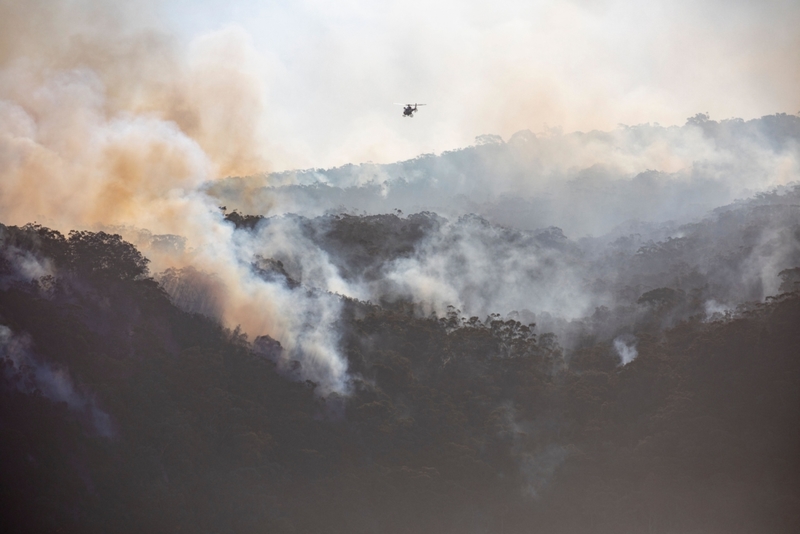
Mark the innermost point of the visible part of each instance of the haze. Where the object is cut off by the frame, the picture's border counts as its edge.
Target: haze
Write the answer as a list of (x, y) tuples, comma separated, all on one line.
[(333, 69), (239, 292), (312, 83)]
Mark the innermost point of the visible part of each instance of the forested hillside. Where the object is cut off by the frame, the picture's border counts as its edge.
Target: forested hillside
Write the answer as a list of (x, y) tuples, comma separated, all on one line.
[(582, 182), (241, 292), (738, 253), (122, 412)]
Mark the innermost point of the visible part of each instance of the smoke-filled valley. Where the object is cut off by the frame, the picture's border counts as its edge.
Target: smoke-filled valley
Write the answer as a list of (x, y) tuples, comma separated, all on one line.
[(586, 332), (218, 316)]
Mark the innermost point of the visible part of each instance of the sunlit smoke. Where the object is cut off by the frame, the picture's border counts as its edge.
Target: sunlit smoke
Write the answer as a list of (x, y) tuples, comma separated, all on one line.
[(107, 121), (505, 66)]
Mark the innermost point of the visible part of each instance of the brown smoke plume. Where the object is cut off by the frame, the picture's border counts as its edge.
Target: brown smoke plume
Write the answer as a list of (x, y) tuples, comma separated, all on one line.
[(105, 120), (103, 114)]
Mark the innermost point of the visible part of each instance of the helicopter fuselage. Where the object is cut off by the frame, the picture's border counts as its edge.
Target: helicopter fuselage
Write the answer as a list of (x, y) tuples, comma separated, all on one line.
[(409, 109)]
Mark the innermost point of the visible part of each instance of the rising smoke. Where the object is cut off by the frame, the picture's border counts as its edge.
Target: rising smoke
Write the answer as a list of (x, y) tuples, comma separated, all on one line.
[(105, 120), (568, 223), (626, 349), (584, 183), (30, 374), (108, 121)]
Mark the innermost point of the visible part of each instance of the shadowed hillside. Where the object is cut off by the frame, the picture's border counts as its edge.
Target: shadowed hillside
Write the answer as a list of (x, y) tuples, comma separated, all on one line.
[(121, 412)]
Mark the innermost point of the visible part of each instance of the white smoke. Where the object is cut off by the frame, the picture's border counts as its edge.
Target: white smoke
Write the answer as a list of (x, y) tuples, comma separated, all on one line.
[(625, 346), (24, 266), (583, 183), (105, 121), (629, 190), (483, 269), (303, 319), (715, 310), (30, 373)]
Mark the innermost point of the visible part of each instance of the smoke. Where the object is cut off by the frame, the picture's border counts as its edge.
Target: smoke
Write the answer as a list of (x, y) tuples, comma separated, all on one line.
[(107, 120), (640, 273), (715, 310), (331, 73), (30, 374), (539, 468), (534, 444), (626, 349), (210, 88), (583, 183), (506, 66), (194, 291), (646, 228), (23, 266), (484, 269)]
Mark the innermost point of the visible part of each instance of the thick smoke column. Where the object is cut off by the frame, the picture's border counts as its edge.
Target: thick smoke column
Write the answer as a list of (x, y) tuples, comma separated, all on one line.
[(105, 120)]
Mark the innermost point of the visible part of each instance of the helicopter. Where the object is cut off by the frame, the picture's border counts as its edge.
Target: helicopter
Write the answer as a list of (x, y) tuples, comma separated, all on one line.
[(409, 109)]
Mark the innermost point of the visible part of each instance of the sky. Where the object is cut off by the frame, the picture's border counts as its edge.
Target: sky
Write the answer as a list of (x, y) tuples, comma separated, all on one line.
[(311, 84), (332, 70)]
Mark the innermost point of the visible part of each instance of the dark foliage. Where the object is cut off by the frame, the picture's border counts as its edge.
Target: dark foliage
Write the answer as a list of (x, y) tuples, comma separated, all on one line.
[(360, 246), (453, 424), (247, 222)]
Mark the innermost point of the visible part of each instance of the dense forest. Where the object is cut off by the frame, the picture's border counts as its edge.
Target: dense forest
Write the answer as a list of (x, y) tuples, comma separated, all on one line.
[(127, 407), (582, 182), (545, 331)]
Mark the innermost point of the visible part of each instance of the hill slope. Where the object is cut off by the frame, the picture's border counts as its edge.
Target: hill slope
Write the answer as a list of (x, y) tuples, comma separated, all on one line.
[(121, 412)]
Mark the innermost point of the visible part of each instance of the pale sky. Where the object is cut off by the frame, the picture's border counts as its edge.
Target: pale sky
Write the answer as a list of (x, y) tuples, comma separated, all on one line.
[(327, 73), (333, 69)]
